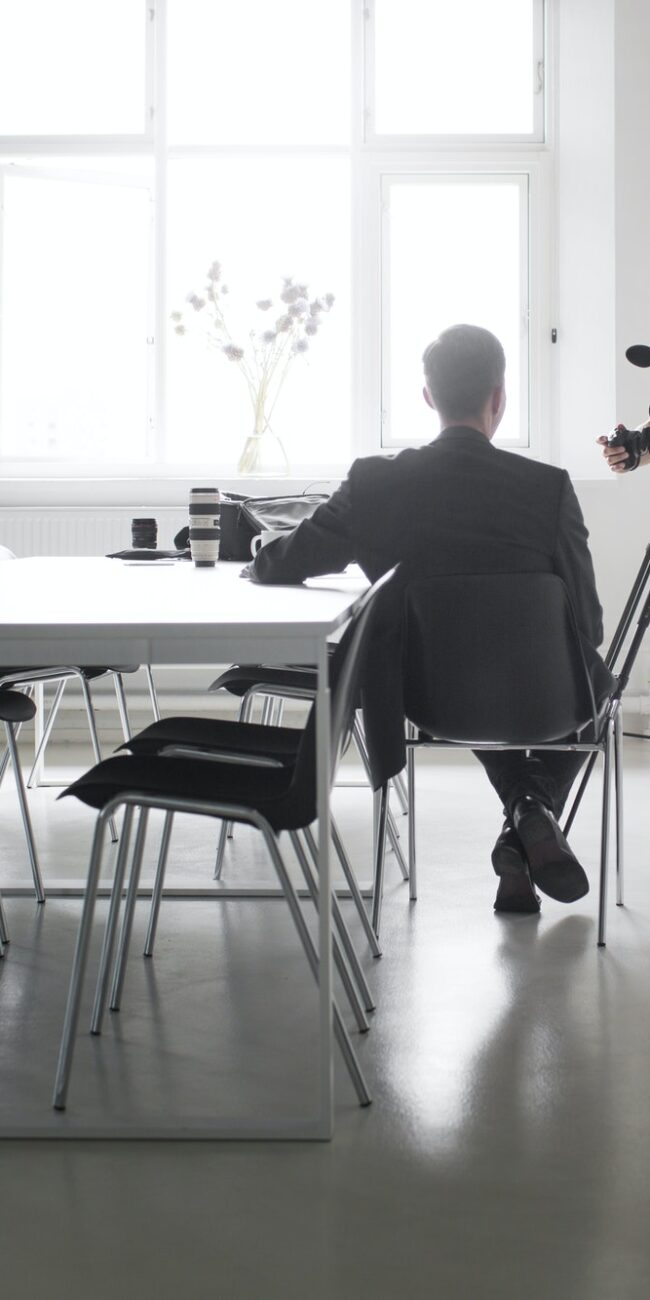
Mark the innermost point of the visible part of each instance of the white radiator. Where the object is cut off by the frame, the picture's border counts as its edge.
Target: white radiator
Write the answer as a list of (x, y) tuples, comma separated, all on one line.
[(81, 530)]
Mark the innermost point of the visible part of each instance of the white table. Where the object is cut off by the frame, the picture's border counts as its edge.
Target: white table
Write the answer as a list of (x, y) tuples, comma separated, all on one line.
[(59, 611)]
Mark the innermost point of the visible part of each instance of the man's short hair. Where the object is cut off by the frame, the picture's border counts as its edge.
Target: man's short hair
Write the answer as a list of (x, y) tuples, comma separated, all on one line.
[(462, 367)]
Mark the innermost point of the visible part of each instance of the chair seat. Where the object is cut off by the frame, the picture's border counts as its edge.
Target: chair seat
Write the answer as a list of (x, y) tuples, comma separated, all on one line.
[(16, 707), (90, 672), (241, 677), (267, 790), (279, 743)]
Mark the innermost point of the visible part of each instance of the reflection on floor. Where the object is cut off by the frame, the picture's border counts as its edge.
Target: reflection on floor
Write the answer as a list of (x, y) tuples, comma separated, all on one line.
[(507, 1150)]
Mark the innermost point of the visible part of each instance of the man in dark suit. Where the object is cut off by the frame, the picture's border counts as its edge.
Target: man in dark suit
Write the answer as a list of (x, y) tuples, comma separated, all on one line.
[(460, 505)]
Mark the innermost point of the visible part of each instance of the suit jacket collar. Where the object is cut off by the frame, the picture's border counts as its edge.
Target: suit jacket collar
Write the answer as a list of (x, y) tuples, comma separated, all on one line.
[(463, 432)]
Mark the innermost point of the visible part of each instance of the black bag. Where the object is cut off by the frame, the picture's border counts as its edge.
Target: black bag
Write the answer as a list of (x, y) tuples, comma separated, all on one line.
[(242, 518)]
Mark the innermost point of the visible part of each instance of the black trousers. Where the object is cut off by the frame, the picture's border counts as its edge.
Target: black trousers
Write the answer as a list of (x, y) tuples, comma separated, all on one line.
[(544, 775)]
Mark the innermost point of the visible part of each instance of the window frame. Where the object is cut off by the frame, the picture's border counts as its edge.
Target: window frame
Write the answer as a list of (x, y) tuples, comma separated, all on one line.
[(372, 158)]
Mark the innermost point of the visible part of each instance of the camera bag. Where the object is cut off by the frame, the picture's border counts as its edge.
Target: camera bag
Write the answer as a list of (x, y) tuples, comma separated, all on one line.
[(242, 518)]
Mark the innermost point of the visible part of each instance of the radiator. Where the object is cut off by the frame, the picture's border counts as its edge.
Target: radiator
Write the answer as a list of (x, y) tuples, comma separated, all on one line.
[(81, 530)]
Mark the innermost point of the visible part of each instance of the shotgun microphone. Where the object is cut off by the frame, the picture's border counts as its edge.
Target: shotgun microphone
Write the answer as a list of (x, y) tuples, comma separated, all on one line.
[(638, 354)]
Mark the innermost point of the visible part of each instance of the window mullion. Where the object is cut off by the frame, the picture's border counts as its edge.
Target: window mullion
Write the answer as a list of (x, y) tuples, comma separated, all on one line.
[(160, 228)]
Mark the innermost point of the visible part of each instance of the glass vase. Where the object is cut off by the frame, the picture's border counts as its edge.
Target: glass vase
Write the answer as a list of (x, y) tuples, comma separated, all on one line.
[(263, 455)]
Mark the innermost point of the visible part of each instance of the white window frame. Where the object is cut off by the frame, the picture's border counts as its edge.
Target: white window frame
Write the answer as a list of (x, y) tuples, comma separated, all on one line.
[(455, 141), (460, 174), (372, 158)]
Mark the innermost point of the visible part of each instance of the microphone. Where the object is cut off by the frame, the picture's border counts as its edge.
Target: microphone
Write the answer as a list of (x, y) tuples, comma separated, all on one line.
[(638, 354)]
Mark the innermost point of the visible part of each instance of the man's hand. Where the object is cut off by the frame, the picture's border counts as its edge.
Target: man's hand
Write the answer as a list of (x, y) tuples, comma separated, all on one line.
[(616, 457)]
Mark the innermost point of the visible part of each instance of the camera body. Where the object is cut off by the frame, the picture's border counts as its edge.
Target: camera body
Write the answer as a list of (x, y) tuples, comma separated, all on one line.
[(635, 442)]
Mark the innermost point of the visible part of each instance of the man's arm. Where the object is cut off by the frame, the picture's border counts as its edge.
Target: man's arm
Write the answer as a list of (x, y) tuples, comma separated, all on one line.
[(574, 565), (322, 544)]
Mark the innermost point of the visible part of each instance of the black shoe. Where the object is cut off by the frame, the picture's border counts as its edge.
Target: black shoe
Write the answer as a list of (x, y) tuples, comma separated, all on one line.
[(553, 867), (515, 892)]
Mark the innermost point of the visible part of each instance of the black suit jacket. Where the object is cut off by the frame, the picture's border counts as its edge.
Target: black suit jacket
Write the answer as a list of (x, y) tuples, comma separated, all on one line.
[(457, 505)]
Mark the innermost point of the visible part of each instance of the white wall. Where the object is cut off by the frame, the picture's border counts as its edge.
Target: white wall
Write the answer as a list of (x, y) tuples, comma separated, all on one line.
[(583, 359), (602, 274)]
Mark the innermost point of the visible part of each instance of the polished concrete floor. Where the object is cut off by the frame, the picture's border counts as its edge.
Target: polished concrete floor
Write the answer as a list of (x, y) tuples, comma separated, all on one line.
[(506, 1153)]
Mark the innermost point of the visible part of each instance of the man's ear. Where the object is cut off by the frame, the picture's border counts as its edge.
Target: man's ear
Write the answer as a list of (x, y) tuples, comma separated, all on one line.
[(497, 403), (428, 398)]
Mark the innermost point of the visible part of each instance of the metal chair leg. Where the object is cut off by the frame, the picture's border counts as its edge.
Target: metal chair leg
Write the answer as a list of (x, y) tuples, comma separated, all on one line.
[(66, 1049), (129, 910), (226, 830), (156, 896), (351, 879), (47, 730), (4, 928), (399, 785), (221, 849), (410, 780), (121, 705), (108, 946), (92, 726), (392, 830), (24, 810), (380, 854), (604, 837), (346, 939), (340, 1032), (618, 795), (337, 954), (152, 693)]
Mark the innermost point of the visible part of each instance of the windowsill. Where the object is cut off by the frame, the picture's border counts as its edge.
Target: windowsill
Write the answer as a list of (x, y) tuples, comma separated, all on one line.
[(140, 491)]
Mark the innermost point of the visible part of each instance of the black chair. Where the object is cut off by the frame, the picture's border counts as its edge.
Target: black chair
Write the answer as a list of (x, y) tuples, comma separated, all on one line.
[(15, 708), (523, 682), (189, 736), (268, 795), (275, 685)]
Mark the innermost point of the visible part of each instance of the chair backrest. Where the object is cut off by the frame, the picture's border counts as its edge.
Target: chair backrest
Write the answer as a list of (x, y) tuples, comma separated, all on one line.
[(495, 657), (345, 670)]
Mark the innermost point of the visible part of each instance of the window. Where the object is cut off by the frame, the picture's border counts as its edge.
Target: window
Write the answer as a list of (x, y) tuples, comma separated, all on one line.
[(388, 154)]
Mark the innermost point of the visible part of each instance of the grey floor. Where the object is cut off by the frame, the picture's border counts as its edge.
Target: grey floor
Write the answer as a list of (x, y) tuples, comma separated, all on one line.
[(506, 1153)]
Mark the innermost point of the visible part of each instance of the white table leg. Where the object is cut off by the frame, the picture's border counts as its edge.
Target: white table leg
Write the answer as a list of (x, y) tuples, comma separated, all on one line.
[(39, 724), (325, 886)]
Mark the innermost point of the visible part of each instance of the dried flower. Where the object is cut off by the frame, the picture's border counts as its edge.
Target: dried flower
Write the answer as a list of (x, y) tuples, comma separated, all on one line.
[(232, 352), (265, 359)]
